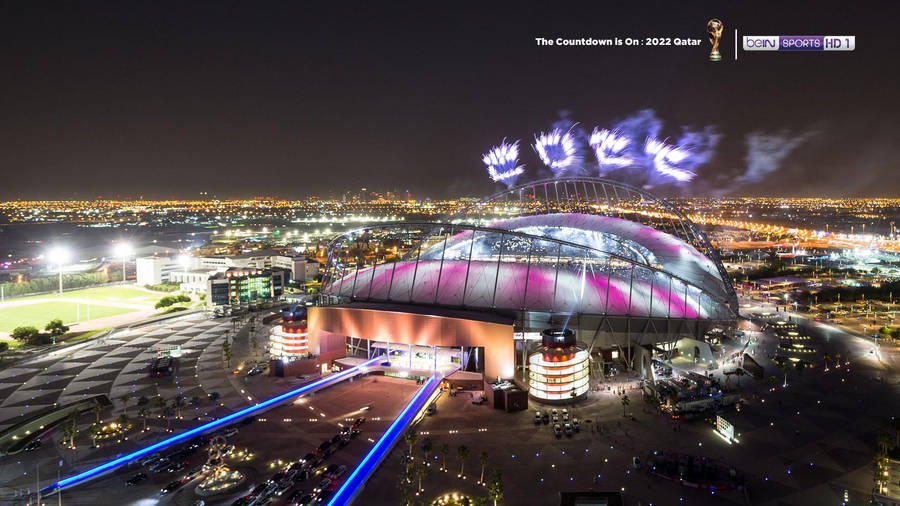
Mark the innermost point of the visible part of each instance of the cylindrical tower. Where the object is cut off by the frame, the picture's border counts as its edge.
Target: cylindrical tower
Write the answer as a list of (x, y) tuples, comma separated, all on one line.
[(290, 339), (559, 369)]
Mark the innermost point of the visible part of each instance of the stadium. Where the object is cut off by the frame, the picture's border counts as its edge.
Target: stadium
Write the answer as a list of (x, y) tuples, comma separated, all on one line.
[(624, 270)]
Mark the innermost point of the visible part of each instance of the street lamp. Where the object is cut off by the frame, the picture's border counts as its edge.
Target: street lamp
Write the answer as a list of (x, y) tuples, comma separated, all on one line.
[(57, 256), (123, 250)]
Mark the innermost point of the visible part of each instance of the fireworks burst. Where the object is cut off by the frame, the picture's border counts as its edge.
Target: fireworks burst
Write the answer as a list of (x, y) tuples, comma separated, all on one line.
[(502, 162), (609, 146), (556, 149), (666, 158)]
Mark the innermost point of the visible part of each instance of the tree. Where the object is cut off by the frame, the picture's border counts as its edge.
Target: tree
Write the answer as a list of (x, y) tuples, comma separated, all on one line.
[(826, 357), (143, 402), (625, 402), (254, 344), (195, 401), (785, 368), (420, 470), (4, 347), (69, 433), (484, 458), (462, 453), (214, 397), (124, 400), (411, 439), (24, 334), (92, 432), (405, 486), (98, 412), (427, 447), (772, 381), (178, 404), (885, 444), (444, 450), (143, 412), (495, 487), (167, 412), (165, 301), (226, 352), (123, 421), (56, 328)]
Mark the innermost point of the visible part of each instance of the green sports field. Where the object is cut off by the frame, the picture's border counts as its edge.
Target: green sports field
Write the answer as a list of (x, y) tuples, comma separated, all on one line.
[(104, 301)]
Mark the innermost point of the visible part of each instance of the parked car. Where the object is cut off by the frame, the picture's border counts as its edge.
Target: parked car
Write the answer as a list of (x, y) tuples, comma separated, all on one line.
[(545, 417), (568, 428), (176, 466), (307, 500), (149, 459), (134, 480), (576, 424), (294, 498), (432, 409), (337, 472), (173, 486), (255, 371), (636, 462), (557, 431), (537, 417), (322, 486), (565, 414)]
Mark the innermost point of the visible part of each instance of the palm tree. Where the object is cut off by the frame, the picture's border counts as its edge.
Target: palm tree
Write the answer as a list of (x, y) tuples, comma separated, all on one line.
[(143, 412), (69, 432), (826, 357), (98, 411), (214, 397), (405, 489), (444, 450), (178, 403), (625, 403), (254, 344), (124, 400), (772, 381), (495, 487), (462, 453), (411, 439), (93, 432), (226, 352), (837, 359), (785, 368), (167, 413), (143, 402), (123, 421), (427, 447), (484, 459), (195, 401), (420, 471), (885, 444)]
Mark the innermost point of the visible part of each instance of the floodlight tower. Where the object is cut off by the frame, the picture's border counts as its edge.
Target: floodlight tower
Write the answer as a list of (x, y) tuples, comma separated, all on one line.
[(57, 256), (123, 250)]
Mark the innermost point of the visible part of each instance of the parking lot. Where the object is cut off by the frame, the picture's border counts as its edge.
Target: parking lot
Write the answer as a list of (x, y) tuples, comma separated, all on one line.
[(272, 443)]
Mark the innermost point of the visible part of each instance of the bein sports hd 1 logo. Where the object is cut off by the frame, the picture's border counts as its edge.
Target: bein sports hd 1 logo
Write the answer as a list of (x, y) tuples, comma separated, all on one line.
[(714, 29)]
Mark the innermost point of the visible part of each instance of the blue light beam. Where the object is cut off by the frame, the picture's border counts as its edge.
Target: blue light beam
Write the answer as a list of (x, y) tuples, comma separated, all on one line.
[(368, 464)]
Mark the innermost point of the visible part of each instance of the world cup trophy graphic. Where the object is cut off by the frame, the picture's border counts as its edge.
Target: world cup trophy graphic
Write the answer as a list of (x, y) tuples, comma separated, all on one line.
[(714, 28)]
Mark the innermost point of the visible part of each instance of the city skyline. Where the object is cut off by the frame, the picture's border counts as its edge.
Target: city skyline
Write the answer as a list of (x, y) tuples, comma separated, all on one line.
[(169, 100)]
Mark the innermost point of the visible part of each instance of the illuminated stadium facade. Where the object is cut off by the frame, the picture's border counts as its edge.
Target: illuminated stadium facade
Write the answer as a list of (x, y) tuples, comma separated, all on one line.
[(619, 266)]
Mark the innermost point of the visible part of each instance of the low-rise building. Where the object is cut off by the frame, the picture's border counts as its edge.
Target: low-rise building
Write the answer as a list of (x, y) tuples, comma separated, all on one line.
[(155, 270)]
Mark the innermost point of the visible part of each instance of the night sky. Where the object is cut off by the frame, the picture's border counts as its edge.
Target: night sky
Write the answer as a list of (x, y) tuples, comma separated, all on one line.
[(167, 99)]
